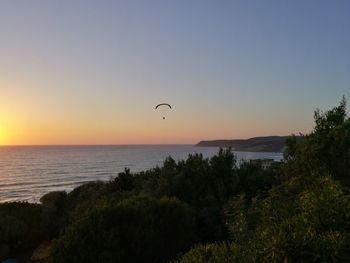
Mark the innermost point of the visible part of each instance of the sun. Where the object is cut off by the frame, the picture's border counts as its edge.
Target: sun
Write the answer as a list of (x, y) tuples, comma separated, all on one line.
[(8, 127), (3, 136)]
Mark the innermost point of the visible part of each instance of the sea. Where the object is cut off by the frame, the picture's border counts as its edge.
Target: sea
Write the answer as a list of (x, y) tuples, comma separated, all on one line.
[(29, 172)]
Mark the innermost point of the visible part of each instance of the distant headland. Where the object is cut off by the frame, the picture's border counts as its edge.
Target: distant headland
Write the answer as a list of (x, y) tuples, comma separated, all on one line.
[(255, 144)]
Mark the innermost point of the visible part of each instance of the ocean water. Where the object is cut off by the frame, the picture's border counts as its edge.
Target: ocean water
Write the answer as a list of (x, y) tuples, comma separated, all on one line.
[(28, 172)]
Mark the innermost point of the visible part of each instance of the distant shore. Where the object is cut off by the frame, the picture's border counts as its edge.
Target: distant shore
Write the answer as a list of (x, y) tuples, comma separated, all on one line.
[(255, 144)]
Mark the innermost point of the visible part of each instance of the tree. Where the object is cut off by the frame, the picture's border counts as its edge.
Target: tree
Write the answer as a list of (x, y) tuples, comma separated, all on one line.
[(326, 150)]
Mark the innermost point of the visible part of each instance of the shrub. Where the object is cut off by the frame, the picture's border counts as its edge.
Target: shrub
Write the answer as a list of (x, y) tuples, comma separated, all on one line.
[(139, 229)]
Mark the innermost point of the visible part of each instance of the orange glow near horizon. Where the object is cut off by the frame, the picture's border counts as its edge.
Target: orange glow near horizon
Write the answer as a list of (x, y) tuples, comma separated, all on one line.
[(39, 118), (40, 127), (156, 132)]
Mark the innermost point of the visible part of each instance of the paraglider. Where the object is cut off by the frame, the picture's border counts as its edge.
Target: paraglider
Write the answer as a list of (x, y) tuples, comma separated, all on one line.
[(165, 105)]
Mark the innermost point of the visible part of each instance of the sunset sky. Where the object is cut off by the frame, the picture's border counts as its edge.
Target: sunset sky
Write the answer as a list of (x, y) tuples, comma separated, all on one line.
[(91, 72)]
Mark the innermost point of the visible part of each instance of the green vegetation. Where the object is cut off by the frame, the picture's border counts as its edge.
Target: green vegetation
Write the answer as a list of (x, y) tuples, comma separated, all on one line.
[(128, 231), (203, 210), (20, 227)]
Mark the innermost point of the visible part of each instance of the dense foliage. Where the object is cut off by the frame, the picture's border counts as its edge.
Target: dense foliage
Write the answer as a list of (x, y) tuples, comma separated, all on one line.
[(216, 209), (20, 227), (129, 231), (305, 218), (326, 150)]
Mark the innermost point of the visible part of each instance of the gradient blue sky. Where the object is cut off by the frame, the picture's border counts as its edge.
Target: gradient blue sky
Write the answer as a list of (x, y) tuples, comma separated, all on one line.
[(90, 72)]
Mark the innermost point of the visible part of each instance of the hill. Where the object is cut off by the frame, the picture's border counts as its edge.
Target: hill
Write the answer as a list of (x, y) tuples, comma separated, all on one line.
[(256, 144)]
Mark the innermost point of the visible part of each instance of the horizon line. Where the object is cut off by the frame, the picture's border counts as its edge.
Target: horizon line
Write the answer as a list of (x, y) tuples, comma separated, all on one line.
[(138, 144), (131, 144)]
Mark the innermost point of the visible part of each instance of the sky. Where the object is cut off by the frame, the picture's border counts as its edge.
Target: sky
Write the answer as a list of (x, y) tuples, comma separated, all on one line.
[(91, 72)]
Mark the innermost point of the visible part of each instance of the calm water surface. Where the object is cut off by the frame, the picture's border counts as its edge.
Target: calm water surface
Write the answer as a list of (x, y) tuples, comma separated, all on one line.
[(28, 172)]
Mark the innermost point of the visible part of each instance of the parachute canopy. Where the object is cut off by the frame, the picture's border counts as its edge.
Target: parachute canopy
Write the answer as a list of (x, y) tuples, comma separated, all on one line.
[(163, 104)]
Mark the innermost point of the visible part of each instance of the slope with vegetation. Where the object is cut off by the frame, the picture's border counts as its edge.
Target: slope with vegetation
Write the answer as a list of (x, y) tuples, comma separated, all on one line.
[(255, 144), (202, 210)]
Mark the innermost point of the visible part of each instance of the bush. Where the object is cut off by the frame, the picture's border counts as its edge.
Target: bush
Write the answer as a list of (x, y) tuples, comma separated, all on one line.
[(20, 227), (55, 212), (139, 229), (313, 226), (212, 253)]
